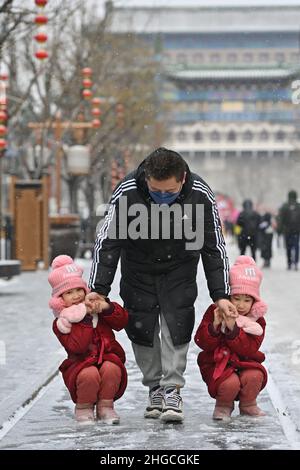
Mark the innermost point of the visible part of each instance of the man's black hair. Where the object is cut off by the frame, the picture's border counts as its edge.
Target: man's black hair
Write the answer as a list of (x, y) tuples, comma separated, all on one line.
[(162, 164)]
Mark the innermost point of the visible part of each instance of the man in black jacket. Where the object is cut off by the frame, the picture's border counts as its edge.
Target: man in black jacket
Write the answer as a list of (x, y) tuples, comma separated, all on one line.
[(289, 225), (178, 221), (249, 221)]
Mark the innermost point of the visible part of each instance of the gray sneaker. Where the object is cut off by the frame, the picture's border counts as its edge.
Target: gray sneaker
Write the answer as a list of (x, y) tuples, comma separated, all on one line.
[(154, 407), (172, 406)]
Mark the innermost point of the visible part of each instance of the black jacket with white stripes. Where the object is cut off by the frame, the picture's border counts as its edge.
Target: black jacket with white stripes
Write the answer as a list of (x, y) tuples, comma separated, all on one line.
[(158, 274)]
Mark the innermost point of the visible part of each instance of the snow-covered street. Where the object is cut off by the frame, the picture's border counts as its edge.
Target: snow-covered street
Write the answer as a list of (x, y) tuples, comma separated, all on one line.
[(37, 417)]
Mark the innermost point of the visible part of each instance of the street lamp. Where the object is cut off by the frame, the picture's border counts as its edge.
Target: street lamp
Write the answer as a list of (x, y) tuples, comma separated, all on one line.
[(78, 159)]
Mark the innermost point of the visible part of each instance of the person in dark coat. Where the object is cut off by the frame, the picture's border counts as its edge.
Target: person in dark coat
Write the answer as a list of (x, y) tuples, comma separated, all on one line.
[(266, 235), (231, 363), (177, 223), (289, 225), (249, 221), (94, 371)]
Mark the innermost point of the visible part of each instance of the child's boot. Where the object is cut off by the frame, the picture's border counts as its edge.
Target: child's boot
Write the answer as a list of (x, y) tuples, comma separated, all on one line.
[(251, 409), (106, 412), (222, 411), (84, 413)]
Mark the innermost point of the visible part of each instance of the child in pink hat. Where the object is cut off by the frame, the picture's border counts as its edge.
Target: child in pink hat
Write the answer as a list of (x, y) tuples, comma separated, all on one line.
[(94, 371), (231, 363)]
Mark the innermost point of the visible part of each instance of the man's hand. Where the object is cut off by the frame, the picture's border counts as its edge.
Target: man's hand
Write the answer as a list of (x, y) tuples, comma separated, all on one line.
[(95, 303), (226, 308)]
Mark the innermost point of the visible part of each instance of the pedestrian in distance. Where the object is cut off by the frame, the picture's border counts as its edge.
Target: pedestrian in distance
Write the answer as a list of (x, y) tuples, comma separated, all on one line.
[(289, 226), (94, 371), (266, 235), (231, 363), (248, 221), (158, 269)]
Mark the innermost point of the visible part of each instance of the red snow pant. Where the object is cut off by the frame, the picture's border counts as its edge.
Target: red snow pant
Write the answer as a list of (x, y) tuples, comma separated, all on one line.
[(244, 386), (95, 384)]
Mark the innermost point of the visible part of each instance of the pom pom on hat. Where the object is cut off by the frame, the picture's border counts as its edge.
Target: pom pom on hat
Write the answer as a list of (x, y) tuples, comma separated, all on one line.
[(61, 260), (244, 260)]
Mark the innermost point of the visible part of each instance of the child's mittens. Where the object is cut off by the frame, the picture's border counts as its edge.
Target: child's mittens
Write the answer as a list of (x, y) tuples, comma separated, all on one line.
[(75, 313), (63, 325), (249, 326)]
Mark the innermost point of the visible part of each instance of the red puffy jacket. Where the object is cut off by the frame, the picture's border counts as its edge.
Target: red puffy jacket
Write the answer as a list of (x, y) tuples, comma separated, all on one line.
[(225, 353), (87, 346)]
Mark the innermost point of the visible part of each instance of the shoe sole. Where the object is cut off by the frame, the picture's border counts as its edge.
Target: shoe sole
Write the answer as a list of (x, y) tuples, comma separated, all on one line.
[(225, 419), (109, 421), (171, 416), (152, 414)]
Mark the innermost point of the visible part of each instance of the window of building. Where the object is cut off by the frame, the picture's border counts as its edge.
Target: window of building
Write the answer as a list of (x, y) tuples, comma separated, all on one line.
[(280, 135), (279, 57), (198, 58), (198, 136), (230, 154), (215, 136), (199, 155), (278, 154), (231, 136), (215, 154), (295, 56), (215, 58), (181, 136), (262, 154), (248, 57), (246, 154), (263, 57), (248, 136), (264, 135), (181, 58), (185, 154), (231, 58)]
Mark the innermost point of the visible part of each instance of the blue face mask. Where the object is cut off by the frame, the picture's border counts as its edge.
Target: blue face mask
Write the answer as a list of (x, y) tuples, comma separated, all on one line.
[(163, 198)]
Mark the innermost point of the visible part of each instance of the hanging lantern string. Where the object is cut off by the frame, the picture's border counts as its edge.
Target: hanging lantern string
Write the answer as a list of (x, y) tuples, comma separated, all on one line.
[(41, 37)]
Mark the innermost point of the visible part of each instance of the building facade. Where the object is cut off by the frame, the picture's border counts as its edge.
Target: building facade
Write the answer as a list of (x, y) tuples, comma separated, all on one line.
[(227, 86)]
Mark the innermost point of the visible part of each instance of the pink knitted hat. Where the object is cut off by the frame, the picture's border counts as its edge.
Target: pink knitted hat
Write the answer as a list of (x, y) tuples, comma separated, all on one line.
[(245, 277), (65, 275)]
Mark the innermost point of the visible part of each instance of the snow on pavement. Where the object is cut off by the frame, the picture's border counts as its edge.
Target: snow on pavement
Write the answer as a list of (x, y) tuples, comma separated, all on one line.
[(49, 423)]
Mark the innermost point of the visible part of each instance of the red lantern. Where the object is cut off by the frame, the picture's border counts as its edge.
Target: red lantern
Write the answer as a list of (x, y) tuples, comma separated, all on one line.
[(41, 19), (3, 144), (96, 112), (3, 101), (3, 116), (87, 83), (41, 54), (41, 3), (96, 101), (41, 37), (120, 114), (87, 71), (96, 123), (3, 130), (3, 76), (87, 94)]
